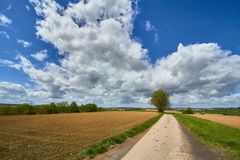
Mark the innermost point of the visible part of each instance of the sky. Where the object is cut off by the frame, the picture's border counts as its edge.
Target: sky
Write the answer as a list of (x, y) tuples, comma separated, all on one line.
[(117, 52)]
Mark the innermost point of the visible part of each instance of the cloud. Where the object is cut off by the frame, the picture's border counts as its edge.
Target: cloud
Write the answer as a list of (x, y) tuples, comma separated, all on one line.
[(156, 37), (10, 92), (9, 7), (27, 7), (197, 75), (149, 26), (17, 93), (24, 43), (4, 21), (4, 34), (103, 64), (9, 63), (200, 74), (40, 56)]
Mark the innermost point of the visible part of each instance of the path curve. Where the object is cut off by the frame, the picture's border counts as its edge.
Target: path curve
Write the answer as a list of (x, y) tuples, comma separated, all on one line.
[(167, 140)]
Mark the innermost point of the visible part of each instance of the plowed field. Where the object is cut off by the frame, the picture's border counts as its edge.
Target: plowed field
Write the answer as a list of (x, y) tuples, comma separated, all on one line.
[(61, 135), (233, 121)]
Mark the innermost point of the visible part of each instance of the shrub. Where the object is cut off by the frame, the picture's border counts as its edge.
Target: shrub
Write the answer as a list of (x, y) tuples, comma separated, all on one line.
[(188, 111)]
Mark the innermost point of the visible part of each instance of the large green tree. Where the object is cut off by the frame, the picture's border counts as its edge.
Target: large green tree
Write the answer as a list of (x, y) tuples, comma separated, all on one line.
[(160, 99)]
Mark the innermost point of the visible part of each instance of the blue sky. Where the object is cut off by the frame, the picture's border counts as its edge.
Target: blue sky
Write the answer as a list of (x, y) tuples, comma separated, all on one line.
[(189, 22), (152, 30)]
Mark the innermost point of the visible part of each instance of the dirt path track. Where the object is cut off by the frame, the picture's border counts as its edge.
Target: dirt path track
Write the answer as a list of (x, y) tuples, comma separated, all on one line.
[(167, 140)]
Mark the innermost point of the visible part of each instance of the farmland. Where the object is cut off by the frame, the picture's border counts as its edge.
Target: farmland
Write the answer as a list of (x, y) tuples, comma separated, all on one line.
[(213, 133), (224, 111), (233, 121), (61, 135)]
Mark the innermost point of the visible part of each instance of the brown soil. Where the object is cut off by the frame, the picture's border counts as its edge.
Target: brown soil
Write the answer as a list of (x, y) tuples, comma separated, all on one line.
[(61, 135), (233, 121)]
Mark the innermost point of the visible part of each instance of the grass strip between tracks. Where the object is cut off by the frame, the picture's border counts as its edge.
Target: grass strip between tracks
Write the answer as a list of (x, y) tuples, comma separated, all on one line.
[(111, 142), (213, 133)]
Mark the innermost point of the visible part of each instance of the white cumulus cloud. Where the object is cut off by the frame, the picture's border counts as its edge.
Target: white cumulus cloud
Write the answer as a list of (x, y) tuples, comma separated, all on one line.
[(27, 7), (149, 26), (11, 92), (4, 34), (40, 56), (9, 7), (102, 63), (4, 21), (24, 43), (11, 64)]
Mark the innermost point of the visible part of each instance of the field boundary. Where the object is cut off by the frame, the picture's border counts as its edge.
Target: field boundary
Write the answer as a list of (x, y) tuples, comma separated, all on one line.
[(212, 133), (229, 120), (110, 143)]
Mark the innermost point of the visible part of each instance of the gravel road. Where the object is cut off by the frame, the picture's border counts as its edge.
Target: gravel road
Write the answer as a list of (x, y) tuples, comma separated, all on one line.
[(167, 140)]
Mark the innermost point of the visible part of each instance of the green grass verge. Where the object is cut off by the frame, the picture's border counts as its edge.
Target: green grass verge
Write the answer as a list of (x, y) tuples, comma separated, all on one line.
[(111, 142), (213, 133)]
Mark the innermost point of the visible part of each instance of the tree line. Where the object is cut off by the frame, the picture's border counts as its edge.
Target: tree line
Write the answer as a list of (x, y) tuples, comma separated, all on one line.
[(52, 108)]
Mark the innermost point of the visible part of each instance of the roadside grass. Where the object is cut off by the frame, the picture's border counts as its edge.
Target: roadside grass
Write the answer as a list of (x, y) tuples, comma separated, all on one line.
[(213, 133), (111, 142)]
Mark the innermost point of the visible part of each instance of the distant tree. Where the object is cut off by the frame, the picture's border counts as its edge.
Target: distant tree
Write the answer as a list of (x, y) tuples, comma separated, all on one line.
[(88, 107), (100, 109), (63, 107), (62, 104), (24, 108), (41, 109), (160, 99), (5, 110), (74, 107), (52, 108), (188, 111)]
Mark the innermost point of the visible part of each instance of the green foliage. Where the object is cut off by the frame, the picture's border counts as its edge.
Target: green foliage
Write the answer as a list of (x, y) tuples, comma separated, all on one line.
[(73, 107), (62, 107), (101, 109), (27, 108), (119, 138), (43, 109), (188, 111), (88, 108), (224, 111), (52, 108), (160, 99), (19, 109), (111, 142), (213, 133), (4, 110)]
